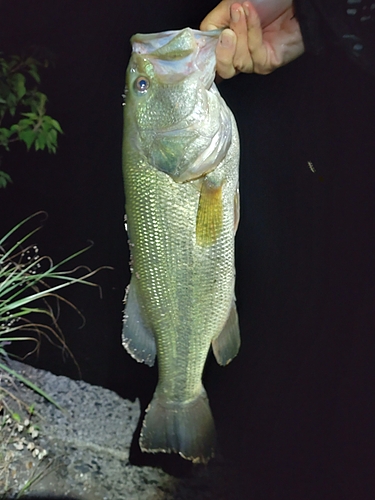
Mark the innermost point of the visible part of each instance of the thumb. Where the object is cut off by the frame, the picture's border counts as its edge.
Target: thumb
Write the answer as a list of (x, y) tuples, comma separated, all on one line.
[(218, 18), (207, 26)]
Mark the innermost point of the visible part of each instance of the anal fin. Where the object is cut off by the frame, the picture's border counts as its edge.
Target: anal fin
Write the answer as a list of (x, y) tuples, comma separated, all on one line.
[(227, 344), (137, 336)]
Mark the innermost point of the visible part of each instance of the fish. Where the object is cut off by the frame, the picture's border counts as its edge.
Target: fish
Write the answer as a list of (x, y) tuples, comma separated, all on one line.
[(180, 171)]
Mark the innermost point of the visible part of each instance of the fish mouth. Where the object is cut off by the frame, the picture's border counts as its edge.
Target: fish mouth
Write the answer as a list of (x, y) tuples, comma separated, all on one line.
[(179, 53), (198, 137), (149, 42)]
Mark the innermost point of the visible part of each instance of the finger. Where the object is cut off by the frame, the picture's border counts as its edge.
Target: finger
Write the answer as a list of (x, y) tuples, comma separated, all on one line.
[(224, 54), (255, 42), (242, 60), (254, 28), (218, 18)]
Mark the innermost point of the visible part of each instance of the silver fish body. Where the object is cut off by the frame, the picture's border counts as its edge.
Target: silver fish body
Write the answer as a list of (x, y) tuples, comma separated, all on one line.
[(180, 163)]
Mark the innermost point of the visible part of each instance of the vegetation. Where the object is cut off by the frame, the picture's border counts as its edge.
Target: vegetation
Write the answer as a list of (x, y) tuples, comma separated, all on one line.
[(29, 283), (23, 108), (30, 287), (23, 460)]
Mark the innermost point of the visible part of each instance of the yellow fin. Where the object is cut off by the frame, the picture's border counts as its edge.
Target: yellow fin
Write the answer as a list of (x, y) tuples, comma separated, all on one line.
[(210, 214)]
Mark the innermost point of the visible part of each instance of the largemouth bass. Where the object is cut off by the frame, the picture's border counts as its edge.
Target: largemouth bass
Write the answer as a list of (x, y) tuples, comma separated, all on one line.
[(180, 162)]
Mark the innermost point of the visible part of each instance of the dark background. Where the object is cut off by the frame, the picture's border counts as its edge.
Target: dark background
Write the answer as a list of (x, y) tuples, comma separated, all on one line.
[(295, 410)]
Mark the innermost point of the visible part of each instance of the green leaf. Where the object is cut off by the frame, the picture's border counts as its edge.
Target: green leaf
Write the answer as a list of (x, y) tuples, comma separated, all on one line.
[(51, 140), (16, 417), (46, 127), (41, 99), (5, 132), (4, 179), (33, 116), (33, 71), (4, 137), (28, 137), (52, 137), (11, 102), (25, 123), (57, 126), (40, 141), (35, 128), (18, 84)]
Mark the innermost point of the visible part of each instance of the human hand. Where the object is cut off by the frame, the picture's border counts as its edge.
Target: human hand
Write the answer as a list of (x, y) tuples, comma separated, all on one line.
[(245, 46)]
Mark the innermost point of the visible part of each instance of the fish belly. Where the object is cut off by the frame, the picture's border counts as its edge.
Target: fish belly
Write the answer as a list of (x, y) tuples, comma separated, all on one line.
[(184, 293)]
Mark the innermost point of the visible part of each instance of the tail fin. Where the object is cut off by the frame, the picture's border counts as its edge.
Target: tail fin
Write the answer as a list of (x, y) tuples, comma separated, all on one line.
[(185, 428)]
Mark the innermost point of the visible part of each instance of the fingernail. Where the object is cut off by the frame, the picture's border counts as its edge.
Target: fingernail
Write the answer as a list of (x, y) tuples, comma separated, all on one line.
[(226, 40), (235, 15), (246, 9)]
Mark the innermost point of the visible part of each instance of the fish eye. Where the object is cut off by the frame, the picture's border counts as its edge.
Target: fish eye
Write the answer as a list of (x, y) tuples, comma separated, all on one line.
[(142, 84)]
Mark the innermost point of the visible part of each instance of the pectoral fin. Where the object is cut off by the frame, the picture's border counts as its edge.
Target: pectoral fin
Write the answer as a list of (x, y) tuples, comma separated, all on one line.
[(210, 214), (137, 337), (226, 345)]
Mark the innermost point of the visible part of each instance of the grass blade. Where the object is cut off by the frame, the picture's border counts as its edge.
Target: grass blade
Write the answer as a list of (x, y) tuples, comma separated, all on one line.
[(30, 384)]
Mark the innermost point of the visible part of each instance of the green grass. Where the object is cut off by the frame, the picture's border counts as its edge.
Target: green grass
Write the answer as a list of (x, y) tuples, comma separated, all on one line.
[(30, 287)]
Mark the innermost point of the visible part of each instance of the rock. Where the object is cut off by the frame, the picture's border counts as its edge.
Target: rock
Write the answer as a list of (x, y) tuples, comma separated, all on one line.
[(87, 448)]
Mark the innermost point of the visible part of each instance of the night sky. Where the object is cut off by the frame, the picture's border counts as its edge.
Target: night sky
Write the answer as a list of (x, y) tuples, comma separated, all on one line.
[(295, 410)]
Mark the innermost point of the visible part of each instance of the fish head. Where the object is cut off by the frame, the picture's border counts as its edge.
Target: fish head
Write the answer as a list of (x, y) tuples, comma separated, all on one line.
[(174, 113)]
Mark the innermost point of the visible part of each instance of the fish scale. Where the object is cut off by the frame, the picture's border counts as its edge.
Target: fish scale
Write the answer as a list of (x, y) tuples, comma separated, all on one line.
[(164, 267), (181, 295)]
